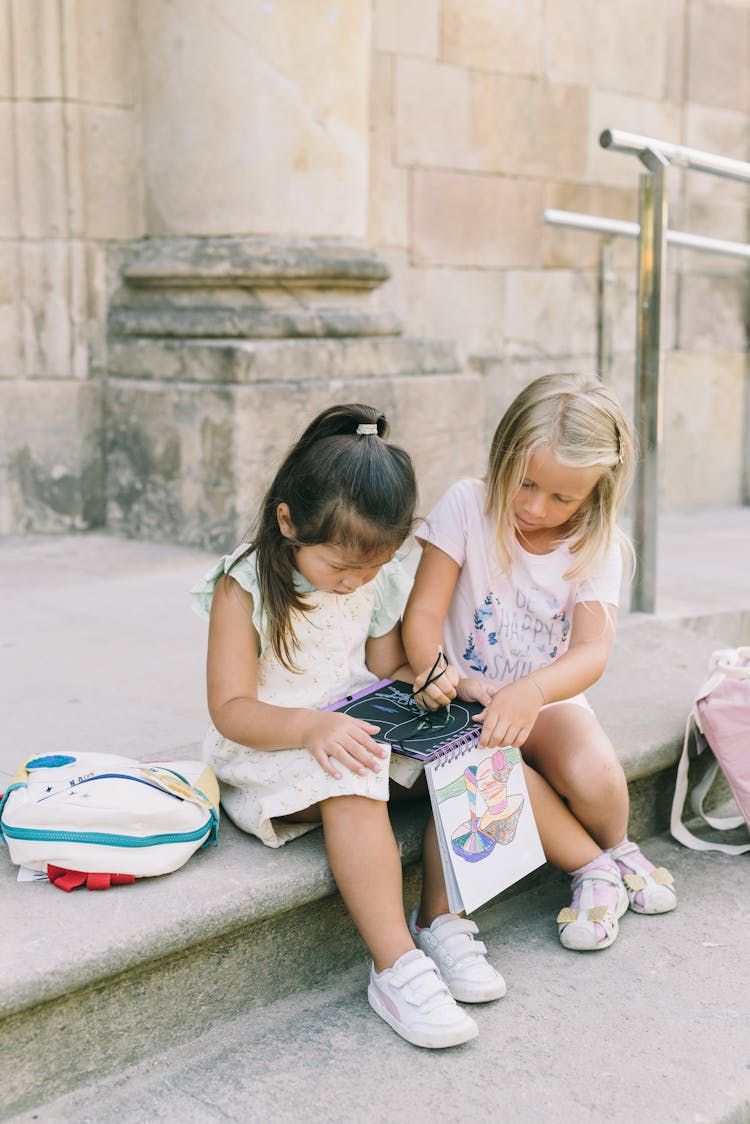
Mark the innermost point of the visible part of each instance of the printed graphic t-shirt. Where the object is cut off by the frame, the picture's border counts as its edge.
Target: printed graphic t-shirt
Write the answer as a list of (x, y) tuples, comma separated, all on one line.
[(502, 626)]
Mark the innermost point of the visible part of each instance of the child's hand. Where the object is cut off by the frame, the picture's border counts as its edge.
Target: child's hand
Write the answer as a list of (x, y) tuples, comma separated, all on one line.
[(509, 718), (476, 690), (442, 688), (332, 737)]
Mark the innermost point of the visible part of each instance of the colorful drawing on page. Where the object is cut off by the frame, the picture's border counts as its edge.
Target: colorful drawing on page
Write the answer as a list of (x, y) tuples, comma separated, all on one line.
[(475, 838)]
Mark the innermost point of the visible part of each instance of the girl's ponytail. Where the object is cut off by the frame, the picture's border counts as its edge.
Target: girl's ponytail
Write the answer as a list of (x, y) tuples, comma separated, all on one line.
[(344, 485)]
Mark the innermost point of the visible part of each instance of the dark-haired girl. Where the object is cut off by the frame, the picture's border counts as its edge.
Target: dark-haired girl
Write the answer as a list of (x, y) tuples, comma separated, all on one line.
[(307, 613)]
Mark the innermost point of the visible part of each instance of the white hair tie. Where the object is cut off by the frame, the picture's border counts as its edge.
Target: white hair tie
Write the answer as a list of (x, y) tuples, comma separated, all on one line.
[(367, 429)]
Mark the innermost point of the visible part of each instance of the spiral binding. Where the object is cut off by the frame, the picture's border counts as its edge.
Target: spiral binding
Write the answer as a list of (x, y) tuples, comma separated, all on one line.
[(455, 747)]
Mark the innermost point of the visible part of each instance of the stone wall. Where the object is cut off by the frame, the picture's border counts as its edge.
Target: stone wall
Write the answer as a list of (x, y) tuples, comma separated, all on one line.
[(425, 138), (70, 181), (484, 114)]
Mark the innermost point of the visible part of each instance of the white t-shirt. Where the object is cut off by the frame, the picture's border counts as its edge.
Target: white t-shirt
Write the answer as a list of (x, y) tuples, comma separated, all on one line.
[(502, 626)]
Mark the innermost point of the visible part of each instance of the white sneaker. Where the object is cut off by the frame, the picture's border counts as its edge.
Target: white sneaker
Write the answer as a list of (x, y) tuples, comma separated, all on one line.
[(413, 999), (461, 960)]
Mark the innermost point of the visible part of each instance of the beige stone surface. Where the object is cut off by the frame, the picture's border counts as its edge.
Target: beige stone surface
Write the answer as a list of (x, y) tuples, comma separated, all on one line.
[(190, 463), (388, 195), (527, 127), (407, 29), (433, 114), (712, 311), (8, 191), (47, 319), (497, 35), (100, 51), (718, 63), (550, 313), (11, 355), (51, 470), (608, 44), (473, 220), (704, 433), (574, 249), (40, 154), (111, 173), (468, 305), (290, 156), (36, 38), (6, 73)]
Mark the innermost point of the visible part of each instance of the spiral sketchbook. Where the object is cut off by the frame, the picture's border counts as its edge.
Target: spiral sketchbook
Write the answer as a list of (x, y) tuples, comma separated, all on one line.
[(486, 829), (423, 735)]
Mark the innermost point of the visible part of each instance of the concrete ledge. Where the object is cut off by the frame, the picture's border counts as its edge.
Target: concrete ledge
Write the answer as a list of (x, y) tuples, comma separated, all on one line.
[(642, 702)]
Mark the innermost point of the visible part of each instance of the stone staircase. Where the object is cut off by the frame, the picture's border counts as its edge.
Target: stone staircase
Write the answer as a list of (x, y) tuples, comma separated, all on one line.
[(235, 988)]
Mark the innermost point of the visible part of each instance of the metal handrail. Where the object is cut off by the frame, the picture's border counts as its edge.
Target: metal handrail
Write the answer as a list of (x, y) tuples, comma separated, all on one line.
[(621, 227), (653, 235), (618, 141)]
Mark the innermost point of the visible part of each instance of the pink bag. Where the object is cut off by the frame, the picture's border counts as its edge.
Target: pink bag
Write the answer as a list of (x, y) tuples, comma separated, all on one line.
[(721, 716)]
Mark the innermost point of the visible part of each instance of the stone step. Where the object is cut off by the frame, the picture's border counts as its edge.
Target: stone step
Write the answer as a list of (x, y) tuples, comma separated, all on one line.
[(652, 1030), (95, 982)]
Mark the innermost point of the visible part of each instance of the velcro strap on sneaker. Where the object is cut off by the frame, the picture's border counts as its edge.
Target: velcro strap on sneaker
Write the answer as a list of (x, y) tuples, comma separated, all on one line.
[(623, 849), (457, 926), (598, 874), (412, 969)]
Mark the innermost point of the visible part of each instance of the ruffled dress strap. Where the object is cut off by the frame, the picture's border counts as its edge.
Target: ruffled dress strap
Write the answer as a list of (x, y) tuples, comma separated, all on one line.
[(241, 566), (392, 588)]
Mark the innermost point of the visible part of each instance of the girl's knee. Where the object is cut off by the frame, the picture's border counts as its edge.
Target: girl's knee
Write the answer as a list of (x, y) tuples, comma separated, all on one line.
[(337, 807)]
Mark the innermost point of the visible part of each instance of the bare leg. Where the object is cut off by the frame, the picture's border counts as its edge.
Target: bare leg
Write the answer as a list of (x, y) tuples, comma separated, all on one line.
[(566, 842), (434, 901), (570, 749), (366, 864)]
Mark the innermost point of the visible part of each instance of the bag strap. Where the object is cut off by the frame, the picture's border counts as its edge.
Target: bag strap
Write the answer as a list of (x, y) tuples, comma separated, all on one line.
[(677, 827)]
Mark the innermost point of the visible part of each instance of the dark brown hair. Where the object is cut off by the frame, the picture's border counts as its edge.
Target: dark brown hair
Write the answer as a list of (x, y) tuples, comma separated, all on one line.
[(345, 488)]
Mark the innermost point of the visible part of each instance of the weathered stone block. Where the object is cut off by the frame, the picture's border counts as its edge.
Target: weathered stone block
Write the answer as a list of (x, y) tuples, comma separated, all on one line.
[(388, 197), (499, 35), (11, 361), (433, 114), (609, 45), (719, 55), (111, 173), (409, 29), (480, 221), (36, 49), (527, 127), (704, 430), (291, 149), (575, 249), (40, 152), (47, 313), (468, 305), (100, 51), (713, 311), (8, 207), (6, 70), (189, 461), (51, 464), (249, 288)]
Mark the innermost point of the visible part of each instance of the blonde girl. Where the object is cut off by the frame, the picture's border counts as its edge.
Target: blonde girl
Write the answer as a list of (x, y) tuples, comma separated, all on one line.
[(519, 582)]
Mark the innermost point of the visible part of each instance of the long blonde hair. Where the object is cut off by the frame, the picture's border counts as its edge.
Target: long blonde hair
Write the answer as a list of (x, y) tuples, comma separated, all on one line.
[(582, 423)]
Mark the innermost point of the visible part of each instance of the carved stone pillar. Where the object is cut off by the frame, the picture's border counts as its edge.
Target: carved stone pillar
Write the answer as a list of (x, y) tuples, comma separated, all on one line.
[(220, 352)]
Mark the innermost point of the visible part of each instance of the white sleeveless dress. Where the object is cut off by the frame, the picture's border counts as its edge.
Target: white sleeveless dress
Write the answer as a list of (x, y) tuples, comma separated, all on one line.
[(257, 785)]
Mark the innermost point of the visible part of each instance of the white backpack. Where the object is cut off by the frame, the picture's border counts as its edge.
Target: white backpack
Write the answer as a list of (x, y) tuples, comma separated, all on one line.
[(99, 818)]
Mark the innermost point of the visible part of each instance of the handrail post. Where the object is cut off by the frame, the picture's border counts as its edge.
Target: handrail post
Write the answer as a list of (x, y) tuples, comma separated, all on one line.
[(652, 217), (603, 319)]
